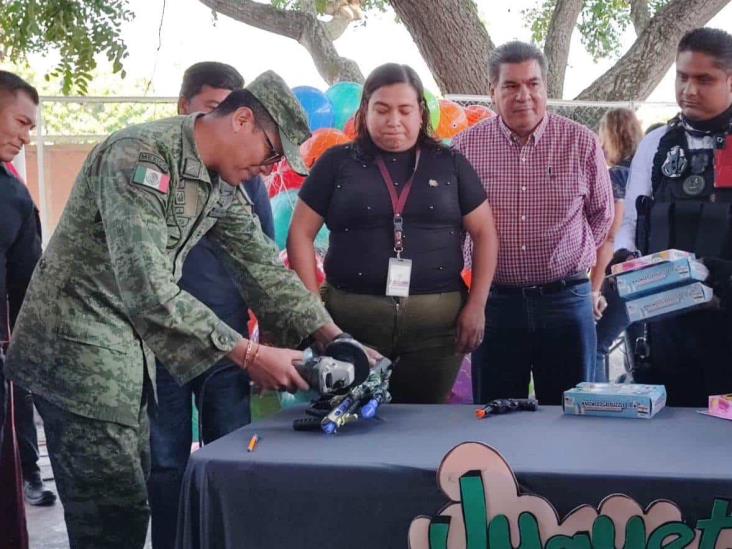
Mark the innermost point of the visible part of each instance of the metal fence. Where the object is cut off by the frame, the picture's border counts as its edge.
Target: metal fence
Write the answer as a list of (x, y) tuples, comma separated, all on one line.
[(68, 127), (589, 113)]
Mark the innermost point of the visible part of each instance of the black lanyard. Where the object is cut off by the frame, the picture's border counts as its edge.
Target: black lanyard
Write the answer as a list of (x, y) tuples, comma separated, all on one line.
[(398, 202)]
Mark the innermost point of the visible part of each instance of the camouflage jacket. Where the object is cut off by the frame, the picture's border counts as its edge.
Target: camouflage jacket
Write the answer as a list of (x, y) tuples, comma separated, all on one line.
[(103, 300)]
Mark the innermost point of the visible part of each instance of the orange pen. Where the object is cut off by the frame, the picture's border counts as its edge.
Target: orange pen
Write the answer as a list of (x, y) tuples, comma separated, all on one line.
[(252, 443)]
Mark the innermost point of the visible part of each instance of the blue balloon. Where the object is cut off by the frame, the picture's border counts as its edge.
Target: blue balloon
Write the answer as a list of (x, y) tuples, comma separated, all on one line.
[(283, 205), (316, 105)]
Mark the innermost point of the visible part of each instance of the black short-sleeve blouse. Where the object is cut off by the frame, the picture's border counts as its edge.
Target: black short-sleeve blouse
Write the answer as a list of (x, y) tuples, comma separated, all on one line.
[(347, 190)]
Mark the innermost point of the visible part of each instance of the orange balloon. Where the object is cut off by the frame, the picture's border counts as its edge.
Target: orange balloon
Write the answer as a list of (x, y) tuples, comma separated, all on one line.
[(350, 129), (321, 140), (467, 275), (453, 119), (476, 113)]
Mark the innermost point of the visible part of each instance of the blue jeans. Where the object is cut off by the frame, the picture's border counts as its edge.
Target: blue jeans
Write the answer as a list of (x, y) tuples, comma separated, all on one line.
[(552, 336), (222, 398), (614, 320)]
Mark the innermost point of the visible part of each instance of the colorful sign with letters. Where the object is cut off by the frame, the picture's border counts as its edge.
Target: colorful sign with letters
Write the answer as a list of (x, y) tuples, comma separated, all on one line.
[(488, 510)]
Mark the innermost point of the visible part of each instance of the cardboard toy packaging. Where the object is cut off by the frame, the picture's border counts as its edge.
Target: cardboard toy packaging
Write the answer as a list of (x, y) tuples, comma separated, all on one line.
[(668, 301), (648, 260), (661, 276), (720, 406), (614, 400)]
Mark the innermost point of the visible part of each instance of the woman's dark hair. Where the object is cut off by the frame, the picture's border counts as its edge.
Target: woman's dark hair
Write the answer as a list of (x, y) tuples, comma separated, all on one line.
[(386, 75)]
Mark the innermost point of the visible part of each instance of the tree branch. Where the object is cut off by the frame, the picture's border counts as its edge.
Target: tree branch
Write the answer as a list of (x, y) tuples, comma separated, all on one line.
[(305, 28), (557, 43), (640, 14), (342, 13), (639, 71)]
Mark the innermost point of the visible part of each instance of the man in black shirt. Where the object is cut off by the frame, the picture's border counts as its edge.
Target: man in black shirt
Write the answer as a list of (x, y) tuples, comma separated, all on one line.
[(20, 249)]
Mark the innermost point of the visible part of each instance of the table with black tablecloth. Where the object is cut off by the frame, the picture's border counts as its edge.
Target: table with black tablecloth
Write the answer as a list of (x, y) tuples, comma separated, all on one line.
[(362, 487)]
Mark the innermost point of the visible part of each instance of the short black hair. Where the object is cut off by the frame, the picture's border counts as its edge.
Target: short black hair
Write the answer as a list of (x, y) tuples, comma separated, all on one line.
[(715, 43), (512, 53), (245, 98), (209, 73), (11, 83)]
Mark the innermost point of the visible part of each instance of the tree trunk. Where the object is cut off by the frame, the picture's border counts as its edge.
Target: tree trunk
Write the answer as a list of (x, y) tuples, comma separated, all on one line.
[(639, 71), (451, 39), (303, 27), (558, 40)]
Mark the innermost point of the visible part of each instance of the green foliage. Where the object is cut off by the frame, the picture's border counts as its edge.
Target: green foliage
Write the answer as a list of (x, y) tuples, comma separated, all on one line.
[(78, 29), (82, 120), (321, 5), (601, 23)]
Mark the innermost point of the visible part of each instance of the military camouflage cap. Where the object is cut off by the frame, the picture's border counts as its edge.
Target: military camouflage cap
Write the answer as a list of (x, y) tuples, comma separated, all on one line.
[(284, 108)]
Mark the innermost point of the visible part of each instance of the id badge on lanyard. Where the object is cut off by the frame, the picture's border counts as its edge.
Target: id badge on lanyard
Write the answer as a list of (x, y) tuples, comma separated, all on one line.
[(399, 274)]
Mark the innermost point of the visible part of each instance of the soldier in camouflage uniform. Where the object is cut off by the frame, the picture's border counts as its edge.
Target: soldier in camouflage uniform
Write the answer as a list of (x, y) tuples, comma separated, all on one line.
[(103, 301)]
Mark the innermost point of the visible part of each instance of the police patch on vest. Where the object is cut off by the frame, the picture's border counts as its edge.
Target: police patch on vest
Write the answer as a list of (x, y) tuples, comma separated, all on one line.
[(693, 185), (675, 163), (699, 162)]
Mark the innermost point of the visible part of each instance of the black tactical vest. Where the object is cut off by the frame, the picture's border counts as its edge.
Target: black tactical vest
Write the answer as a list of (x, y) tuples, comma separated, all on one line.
[(685, 211)]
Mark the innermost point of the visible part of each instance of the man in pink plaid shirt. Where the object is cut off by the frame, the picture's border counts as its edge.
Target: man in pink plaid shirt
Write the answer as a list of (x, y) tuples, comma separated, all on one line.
[(548, 185)]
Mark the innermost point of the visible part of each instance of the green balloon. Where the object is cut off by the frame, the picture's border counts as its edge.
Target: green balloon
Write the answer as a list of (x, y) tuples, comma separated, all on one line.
[(433, 105), (345, 98), (283, 205)]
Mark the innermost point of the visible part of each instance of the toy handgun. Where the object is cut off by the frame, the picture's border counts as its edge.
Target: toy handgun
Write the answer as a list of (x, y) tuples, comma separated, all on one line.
[(505, 405), (347, 386)]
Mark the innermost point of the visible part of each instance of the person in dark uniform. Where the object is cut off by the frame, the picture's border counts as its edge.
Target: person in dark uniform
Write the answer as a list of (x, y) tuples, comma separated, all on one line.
[(20, 249), (679, 195)]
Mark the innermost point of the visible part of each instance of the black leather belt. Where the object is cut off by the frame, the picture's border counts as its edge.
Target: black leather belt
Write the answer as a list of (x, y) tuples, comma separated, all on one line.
[(542, 289)]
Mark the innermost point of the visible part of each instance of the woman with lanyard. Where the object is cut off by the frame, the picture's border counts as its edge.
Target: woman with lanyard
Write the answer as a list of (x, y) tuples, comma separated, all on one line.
[(398, 204)]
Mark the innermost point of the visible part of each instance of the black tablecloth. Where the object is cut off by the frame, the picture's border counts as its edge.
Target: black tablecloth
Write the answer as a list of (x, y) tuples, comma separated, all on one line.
[(362, 487)]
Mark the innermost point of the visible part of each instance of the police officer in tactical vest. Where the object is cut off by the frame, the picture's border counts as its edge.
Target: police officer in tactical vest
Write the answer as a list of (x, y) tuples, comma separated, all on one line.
[(679, 195)]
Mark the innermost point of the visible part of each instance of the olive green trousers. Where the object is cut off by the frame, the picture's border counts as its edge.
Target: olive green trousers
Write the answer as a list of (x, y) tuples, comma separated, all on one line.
[(416, 332)]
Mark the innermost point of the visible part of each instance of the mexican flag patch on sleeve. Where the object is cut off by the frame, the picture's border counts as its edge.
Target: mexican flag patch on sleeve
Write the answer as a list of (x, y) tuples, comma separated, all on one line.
[(149, 177)]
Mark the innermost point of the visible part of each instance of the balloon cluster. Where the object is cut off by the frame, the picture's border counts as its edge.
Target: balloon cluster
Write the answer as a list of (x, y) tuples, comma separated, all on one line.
[(331, 119)]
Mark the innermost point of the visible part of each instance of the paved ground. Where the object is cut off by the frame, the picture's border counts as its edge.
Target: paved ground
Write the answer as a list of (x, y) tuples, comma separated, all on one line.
[(46, 528), (46, 524)]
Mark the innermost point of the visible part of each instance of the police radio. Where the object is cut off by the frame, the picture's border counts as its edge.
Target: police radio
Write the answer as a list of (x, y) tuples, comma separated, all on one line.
[(723, 162)]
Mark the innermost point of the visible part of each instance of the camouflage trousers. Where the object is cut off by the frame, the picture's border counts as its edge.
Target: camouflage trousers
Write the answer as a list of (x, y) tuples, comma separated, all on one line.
[(100, 469)]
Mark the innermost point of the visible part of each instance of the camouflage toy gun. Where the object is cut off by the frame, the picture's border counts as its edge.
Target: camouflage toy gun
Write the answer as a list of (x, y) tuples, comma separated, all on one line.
[(348, 388)]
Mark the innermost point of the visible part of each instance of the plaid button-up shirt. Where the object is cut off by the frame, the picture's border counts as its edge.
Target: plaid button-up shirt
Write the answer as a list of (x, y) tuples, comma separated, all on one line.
[(551, 197)]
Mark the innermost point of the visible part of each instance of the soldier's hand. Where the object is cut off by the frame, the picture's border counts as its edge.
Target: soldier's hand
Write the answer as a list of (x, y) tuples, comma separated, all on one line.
[(272, 368)]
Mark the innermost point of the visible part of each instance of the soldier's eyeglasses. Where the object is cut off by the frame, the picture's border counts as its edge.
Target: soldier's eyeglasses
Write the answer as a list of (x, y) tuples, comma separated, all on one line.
[(274, 156)]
